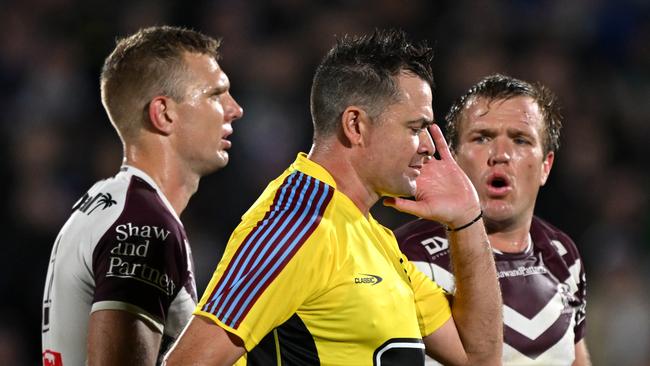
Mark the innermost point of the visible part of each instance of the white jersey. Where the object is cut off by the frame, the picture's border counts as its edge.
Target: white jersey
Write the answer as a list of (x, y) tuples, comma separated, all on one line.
[(123, 248)]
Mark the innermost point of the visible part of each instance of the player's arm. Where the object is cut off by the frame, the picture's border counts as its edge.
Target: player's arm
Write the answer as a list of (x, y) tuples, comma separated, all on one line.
[(117, 337), (445, 194), (473, 336), (445, 346), (205, 343), (582, 354), (130, 303)]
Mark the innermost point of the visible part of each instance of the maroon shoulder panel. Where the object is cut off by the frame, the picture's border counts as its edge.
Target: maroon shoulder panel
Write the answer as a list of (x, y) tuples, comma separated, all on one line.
[(142, 258)]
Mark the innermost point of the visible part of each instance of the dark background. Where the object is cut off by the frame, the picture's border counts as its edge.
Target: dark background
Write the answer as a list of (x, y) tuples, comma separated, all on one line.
[(56, 140)]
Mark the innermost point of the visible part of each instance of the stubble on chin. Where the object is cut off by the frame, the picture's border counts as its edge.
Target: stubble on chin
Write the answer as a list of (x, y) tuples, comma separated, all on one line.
[(497, 218), (407, 189)]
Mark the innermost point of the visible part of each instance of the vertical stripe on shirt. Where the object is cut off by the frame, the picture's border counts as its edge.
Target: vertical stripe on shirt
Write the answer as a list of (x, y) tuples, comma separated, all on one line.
[(294, 214)]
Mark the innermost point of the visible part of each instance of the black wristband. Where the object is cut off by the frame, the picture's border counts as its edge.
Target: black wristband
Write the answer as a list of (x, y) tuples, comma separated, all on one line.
[(468, 224)]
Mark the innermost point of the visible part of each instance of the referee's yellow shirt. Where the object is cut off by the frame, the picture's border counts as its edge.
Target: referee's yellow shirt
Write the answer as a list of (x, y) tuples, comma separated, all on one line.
[(306, 278)]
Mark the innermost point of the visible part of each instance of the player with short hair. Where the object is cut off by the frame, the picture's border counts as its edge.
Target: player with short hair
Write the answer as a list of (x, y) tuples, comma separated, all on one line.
[(504, 133), (120, 284), (309, 277)]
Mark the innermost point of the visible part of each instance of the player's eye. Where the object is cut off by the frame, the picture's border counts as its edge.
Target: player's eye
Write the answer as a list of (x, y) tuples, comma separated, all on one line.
[(522, 141), (480, 139)]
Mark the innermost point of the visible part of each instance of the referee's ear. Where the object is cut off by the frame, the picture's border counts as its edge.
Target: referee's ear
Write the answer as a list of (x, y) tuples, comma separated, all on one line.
[(355, 123)]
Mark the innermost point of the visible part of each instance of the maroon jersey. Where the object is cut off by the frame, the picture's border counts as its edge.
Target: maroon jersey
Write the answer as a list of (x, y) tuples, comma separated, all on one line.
[(543, 288)]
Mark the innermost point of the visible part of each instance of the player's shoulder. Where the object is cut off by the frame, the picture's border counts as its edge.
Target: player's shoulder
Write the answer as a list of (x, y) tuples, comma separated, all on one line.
[(104, 197), (546, 234), (142, 196), (131, 200), (147, 216), (146, 229), (97, 208), (417, 230)]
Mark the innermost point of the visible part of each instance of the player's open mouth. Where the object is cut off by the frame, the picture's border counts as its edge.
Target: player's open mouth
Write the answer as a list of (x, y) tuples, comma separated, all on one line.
[(498, 184)]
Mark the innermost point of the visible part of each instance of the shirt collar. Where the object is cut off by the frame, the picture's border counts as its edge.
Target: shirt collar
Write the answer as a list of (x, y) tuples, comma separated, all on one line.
[(310, 167), (129, 169)]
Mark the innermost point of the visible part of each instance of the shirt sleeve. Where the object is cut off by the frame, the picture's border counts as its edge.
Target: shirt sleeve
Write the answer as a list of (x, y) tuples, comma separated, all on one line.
[(268, 270), (140, 264), (431, 300), (580, 277)]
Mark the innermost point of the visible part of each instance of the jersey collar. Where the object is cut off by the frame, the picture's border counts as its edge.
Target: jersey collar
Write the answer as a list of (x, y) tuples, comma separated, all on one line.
[(144, 176), (309, 167), (525, 252)]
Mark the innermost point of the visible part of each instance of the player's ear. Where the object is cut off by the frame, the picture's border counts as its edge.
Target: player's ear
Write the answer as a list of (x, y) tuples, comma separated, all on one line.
[(354, 124), (162, 114), (547, 164)]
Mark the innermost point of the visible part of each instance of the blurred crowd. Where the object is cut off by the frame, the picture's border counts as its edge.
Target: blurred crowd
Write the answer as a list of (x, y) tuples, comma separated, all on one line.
[(56, 140)]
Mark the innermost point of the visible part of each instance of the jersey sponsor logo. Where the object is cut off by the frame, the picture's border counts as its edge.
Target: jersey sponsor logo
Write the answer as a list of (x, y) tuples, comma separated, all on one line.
[(569, 301), (523, 272), (103, 200), (124, 268), (435, 245), (368, 279), (131, 250), (51, 358), (123, 262), (129, 230)]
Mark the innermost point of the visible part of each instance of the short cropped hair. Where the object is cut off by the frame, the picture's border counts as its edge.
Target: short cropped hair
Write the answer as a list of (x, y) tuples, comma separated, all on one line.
[(503, 87), (362, 71), (147, 64)]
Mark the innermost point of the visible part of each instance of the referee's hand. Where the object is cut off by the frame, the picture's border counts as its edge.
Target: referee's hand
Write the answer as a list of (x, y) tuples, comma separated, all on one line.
[(444, 192)]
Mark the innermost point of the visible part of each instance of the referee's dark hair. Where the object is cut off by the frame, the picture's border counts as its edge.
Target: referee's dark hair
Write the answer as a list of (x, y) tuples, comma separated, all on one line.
[(362, 71)]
